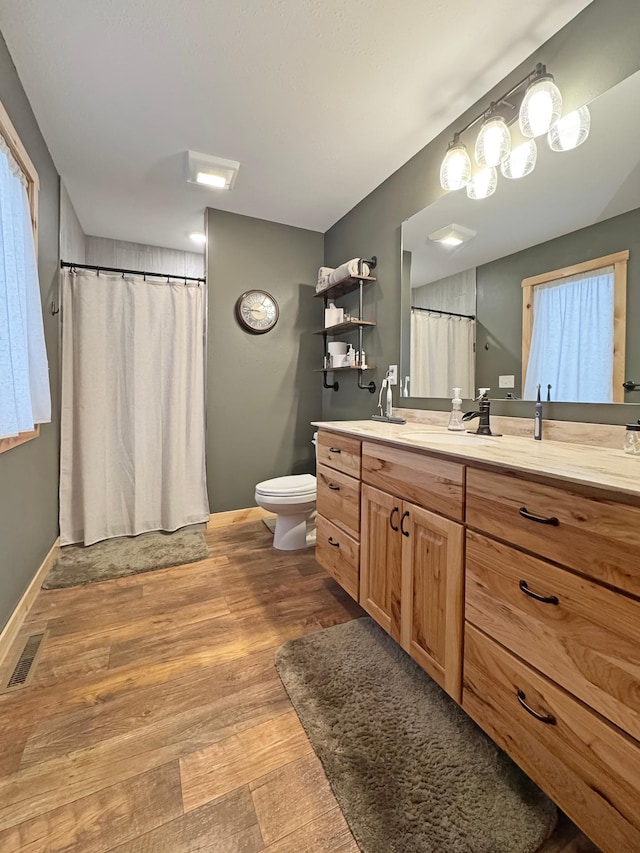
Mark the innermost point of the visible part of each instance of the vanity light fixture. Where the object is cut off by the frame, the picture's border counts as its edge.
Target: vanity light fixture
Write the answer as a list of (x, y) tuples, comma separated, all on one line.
[(483, 183), (456, 166), (570, 131), (535, 103), (521, 161), (452, 235), (211, 172)]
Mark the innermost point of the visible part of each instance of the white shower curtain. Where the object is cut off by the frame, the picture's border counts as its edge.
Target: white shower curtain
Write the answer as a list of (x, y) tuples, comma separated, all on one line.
[(133, 415), (442, 355)]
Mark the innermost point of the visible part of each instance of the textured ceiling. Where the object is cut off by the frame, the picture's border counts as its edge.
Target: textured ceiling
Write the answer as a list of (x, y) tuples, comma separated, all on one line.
[(319, 100)]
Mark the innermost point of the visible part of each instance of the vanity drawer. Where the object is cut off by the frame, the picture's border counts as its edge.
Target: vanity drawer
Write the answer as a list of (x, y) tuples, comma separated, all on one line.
[(428, 481), (587, 641), (341, 452), (339, 554), (339, 499), (593, 535), (587, 766)]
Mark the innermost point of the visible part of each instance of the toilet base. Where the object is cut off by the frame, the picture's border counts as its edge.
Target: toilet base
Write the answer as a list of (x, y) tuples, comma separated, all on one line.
[(291, 532), (270, 523)]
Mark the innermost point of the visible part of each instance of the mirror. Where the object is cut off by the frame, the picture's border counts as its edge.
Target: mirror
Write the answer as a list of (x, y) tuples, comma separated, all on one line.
[(466, 301)]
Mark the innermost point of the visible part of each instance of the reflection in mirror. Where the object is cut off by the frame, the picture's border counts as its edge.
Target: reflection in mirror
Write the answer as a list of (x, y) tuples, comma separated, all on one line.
[(575, 207)]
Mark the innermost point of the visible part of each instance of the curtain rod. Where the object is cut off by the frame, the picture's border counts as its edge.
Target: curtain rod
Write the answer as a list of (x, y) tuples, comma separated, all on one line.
[(99, 269), (448, 313)]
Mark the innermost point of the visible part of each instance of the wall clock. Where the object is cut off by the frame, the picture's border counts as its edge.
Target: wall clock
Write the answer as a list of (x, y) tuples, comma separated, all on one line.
[(257, 311)]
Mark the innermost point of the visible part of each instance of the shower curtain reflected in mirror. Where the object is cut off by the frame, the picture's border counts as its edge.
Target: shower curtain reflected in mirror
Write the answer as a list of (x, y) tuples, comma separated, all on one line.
[(133, 406), (442, 354)]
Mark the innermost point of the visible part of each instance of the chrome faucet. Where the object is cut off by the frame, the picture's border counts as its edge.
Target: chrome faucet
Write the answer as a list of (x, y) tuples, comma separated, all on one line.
[(483, 413)]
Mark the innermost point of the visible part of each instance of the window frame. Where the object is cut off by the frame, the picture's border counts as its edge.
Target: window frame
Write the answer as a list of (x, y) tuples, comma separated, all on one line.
[(19, 152), (619, 261)]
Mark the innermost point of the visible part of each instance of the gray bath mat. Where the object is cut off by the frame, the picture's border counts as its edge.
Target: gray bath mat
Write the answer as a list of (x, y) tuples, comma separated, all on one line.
[(77, 565), (411, 772)]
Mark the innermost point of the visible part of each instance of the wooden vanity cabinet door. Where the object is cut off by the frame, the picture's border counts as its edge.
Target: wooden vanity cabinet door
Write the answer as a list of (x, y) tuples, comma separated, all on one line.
[(381, 558), (432, 595)]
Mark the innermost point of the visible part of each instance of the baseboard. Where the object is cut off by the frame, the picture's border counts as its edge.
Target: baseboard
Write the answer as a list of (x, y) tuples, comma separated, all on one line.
[(21, 611), (236, 516)]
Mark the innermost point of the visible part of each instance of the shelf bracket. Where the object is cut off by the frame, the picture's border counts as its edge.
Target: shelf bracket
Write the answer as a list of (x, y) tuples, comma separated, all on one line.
[(370, 387), (333, 385)]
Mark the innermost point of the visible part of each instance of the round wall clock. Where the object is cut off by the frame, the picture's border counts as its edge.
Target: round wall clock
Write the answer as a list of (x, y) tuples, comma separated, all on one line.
[(257, 311)]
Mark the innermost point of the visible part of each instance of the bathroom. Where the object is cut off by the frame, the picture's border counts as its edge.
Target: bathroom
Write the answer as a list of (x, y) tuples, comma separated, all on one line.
[(262, 391)]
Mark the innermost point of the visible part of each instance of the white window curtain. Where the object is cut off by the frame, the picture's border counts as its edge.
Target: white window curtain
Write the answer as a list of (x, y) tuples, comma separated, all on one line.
[(572, 339), (442, 354), (25, 398), (133, 407)]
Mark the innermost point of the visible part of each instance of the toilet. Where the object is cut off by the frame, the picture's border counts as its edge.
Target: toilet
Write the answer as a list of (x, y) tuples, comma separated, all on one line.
[(292, 499)]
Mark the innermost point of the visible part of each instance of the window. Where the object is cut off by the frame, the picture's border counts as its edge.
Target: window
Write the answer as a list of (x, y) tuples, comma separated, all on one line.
[(25, 400), (574, 329)]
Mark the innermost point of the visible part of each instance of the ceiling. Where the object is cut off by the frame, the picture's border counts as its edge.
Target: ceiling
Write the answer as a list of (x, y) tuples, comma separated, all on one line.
[(319, 100), (566, 191)]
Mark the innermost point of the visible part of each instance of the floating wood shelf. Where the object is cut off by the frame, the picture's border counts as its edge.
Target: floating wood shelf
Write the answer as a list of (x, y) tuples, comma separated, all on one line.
[(347, 326), (346, 285), (348, 367)]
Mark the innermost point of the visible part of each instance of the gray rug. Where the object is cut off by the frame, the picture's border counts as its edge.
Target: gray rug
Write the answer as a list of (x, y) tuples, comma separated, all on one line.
[(77, 565), (411, 772)]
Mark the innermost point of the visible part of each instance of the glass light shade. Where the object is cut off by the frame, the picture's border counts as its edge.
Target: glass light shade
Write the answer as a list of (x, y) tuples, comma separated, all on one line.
[(483, 183), (455, 170), (493, 143), (521, 161), (570, 131), (541, 107)]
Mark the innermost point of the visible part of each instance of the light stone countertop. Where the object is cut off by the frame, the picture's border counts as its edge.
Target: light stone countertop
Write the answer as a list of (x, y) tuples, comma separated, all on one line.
[(599, 467)]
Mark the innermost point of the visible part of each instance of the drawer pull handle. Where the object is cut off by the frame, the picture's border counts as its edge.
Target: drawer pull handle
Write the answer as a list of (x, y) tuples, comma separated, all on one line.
[(334, 488), (404, 515), (391, 514), (549, 719), (545, 599), (526, 514), (334, 450), (332, 542)]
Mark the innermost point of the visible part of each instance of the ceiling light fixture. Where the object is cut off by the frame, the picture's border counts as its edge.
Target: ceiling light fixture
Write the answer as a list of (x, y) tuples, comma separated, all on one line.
[(452, 235), (211, 172), (535, 102), (198, 237)]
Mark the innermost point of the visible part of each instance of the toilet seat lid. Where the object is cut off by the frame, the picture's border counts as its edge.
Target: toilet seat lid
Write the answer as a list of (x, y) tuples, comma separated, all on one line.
[(298, 484)]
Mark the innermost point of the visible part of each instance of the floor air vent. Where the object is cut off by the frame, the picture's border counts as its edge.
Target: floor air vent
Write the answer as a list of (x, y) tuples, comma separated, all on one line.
[(26, 660)]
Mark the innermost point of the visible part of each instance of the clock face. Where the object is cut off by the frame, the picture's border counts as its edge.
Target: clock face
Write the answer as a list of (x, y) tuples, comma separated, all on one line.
[(257, 311)]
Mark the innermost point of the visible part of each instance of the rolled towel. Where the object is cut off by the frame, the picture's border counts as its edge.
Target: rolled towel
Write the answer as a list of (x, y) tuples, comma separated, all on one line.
[(324, 274), (351, 267)]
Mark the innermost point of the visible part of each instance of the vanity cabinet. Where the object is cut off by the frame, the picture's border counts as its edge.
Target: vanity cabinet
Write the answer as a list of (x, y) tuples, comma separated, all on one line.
[(411, 580), (518, 593), (338, 509)]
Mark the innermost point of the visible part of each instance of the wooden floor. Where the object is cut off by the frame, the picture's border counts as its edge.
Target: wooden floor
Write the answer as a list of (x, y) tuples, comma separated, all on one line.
[(155, 721)]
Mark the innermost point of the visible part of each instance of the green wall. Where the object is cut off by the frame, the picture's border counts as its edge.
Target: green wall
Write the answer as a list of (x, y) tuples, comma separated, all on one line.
[(499, 295), (262, 393), (596, 50), (29, 473)]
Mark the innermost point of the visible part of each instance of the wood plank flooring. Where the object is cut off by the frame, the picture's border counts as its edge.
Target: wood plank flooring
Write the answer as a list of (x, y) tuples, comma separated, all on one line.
[(155, 721)]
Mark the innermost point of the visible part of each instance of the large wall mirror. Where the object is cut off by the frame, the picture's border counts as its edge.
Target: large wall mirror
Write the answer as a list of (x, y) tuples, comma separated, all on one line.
[(561, 244)]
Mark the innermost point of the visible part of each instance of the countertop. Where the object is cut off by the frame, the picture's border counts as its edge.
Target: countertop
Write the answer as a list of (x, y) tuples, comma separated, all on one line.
[(603, 468)]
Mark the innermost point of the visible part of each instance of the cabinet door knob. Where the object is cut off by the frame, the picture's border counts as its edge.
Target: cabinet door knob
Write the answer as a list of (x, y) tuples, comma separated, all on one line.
[(524, 512), (404, 515), (545, 599), (391, 514), (549, 719), (333, 542), (334, 488)]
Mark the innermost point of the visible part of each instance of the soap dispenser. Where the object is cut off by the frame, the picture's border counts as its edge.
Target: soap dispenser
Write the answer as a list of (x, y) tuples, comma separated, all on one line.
[(455, 419)]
